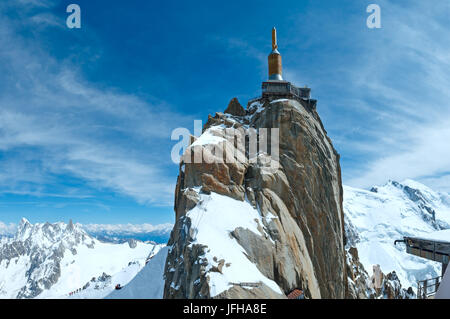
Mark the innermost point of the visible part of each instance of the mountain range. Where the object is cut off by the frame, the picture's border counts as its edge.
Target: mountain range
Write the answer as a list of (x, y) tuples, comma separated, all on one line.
[(61, 260)]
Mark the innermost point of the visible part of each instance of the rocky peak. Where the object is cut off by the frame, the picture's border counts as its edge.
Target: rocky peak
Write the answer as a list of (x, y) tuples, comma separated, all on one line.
[(426, 200), (48, 234), (23, 222), (235, 108), (132, 243), (70, 227), (290, 225), (23, 227), (43, 245)]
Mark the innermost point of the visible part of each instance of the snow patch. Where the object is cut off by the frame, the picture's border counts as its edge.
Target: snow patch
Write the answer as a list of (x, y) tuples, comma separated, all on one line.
[(148, 283), (442, 236), (214, 218)]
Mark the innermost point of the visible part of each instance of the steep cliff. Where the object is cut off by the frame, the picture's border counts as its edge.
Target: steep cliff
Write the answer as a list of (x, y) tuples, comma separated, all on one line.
[(244, 230)]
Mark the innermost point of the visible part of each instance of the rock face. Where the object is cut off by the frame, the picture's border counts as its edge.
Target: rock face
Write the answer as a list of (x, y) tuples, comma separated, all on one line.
[(235, 108), (132, 243), (298, 236), (392, 288)]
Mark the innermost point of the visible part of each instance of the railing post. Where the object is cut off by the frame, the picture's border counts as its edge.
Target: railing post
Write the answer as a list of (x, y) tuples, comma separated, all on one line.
[(425, 289), (437, 284), (434, 251), (418, 289)]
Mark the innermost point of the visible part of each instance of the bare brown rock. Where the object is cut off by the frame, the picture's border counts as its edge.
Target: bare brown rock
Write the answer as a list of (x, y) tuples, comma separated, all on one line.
[(235, 108), (300, 244)]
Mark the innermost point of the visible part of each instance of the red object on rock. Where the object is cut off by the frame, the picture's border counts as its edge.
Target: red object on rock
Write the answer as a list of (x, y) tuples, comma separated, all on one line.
[(296, 294)]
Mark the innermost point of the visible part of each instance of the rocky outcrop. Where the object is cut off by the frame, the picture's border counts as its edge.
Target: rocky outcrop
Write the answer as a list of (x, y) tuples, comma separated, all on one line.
[(392, 288), (132, 243), (298, 240), (98, 283), (378, 286), (388, 286), (235, 108), (359, 286)]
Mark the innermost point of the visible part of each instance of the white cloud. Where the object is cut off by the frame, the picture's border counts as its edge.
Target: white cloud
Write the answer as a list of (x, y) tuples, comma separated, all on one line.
[(426, 153), (385, 94), (403, 87), (442, 182), (7, 229), (46, 19), (53, 122)]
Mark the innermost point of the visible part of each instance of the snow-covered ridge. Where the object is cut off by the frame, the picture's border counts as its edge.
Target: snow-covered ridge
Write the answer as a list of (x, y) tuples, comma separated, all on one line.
[(51, 260), (375, 218)]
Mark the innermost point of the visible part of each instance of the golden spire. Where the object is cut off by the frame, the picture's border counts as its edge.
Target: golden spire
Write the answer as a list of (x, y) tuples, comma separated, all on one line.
[(275, 67), (274, 39)]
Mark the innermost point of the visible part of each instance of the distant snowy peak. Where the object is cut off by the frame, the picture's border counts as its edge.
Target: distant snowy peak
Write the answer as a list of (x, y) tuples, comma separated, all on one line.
[(434, 206), (47, 260), (30, 261), (416, 191), (375, 218), (45, 235), (113, 233)]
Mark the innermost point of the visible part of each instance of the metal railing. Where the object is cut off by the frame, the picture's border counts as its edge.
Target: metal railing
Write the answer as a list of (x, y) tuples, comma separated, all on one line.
[(427, 288), (246, 284)]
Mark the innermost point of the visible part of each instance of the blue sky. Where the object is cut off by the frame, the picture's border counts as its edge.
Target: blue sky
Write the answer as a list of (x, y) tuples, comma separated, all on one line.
[(86, 114)]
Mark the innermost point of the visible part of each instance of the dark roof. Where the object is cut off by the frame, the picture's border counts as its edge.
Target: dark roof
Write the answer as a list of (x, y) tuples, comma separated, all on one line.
[(427, 248)]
